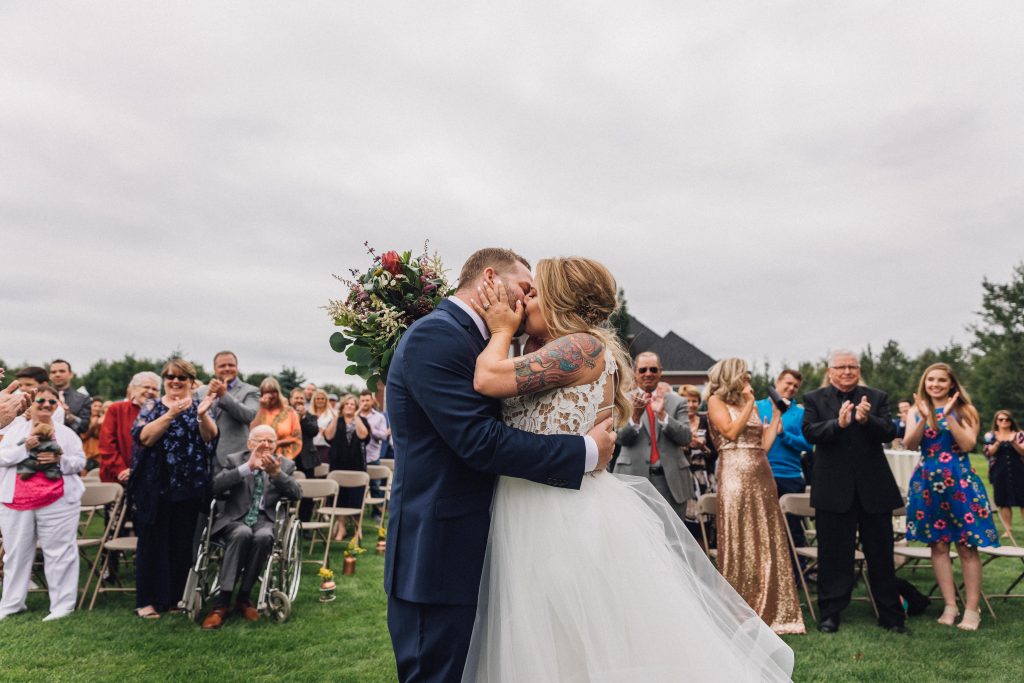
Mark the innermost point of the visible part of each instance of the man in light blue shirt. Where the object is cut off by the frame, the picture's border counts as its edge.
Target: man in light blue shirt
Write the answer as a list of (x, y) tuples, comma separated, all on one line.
[(785, 454)]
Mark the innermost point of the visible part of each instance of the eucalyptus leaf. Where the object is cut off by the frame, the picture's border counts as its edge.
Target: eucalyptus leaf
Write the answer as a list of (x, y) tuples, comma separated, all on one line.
[(339, 342)]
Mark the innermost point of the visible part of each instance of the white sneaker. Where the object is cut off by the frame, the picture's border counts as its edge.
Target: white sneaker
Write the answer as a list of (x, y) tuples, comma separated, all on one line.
[(54, 616)]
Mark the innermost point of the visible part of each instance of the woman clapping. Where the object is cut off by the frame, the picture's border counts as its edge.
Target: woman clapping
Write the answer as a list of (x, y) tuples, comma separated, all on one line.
[(281, 416), (1004, 448), (947, 501), (170, 486)]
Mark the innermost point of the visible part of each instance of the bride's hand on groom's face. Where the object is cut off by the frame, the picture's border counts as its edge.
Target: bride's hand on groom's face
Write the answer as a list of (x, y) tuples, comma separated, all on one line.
[(494, 307)]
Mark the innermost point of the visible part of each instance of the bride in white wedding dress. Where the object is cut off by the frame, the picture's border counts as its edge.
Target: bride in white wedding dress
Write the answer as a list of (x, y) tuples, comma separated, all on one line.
[(603, 584)]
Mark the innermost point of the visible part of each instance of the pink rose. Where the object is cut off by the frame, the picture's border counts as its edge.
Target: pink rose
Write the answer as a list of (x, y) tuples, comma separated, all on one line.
[(940, 524), (964, 483), (969, 518), (945, 457)]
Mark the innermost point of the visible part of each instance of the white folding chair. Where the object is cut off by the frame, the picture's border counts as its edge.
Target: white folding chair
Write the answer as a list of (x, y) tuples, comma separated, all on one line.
[(1011, 552), (380, 472), (97, 495), (321, 470), (799, 504), (350, 479), (319, 491), (707, 509), (113, 544)]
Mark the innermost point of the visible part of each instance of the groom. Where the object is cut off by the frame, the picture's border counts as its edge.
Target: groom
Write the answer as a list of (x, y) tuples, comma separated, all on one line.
[(450, 445)]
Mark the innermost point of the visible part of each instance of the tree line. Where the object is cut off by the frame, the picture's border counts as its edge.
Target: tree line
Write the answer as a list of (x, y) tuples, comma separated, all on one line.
[(991, 365)]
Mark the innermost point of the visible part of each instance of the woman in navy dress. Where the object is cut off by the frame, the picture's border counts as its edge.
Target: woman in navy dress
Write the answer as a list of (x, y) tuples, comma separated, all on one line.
[(948, 502), (172, 469), (1004, 448)]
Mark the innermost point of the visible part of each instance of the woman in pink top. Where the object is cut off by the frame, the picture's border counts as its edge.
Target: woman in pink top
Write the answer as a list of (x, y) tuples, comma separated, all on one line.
[(40, 505)]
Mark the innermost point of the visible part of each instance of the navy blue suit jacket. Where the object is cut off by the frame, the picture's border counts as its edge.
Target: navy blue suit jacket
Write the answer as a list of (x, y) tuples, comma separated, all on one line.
[(450, 444)]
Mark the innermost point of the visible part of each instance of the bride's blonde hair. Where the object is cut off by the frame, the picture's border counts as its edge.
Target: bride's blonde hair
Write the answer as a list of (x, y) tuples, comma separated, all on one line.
[(579, 295)]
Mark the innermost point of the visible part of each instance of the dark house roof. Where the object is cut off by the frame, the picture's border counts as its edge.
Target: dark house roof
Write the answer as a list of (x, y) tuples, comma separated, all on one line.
[(677, 354)]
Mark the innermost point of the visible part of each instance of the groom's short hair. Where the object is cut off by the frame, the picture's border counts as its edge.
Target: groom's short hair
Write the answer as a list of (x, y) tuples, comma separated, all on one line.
[(493, 257)]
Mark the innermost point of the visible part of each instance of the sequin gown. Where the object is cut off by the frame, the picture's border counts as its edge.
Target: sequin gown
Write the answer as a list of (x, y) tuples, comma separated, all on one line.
[(604, 584), (753, 551)]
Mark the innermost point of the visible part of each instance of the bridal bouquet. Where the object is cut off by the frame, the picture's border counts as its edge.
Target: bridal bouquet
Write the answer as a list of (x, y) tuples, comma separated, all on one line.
[(382, 303)]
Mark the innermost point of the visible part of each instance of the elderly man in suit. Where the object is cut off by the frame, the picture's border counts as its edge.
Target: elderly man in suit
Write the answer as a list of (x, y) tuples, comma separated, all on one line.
[(653, 440), (853, 491), (254, 481), (234, 408)]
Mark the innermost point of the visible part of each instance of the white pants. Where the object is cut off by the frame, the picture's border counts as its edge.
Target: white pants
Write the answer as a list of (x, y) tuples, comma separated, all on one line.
[(56, 527)]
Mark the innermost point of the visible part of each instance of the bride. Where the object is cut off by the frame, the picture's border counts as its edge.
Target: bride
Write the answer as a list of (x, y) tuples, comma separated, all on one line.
[(604, 584)]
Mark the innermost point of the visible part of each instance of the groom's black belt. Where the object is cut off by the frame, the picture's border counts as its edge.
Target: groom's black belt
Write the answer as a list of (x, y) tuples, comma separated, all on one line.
[(657, 469)]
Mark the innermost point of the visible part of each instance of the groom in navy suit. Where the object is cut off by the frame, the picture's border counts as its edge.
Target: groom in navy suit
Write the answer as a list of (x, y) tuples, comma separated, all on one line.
[(450, 445)]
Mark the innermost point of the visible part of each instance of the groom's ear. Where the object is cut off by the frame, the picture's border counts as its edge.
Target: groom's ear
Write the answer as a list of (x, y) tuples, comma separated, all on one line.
[(489, 275)]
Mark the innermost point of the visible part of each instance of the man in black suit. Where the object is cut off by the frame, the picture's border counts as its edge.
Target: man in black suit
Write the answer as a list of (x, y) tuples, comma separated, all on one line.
[(852, 490)]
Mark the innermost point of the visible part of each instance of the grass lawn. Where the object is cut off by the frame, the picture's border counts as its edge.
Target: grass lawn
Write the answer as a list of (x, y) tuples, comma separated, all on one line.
[(347, 640)]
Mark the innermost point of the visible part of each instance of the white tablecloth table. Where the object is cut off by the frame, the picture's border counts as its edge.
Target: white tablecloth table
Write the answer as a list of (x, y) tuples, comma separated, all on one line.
[(902, 464)]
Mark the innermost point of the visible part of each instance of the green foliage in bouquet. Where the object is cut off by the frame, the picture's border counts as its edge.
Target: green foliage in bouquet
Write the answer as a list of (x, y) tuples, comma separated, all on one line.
[(382, 303)]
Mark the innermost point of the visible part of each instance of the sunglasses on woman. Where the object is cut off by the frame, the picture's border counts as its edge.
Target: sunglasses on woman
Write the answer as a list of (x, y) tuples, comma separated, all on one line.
[(41, 401), (180, 378)]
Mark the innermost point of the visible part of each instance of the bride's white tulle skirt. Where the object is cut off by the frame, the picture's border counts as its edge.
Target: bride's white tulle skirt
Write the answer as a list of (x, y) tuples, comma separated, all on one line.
[(604, 585)]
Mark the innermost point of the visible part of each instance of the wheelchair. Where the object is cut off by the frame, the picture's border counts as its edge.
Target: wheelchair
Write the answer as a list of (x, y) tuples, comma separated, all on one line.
[(278, 582)]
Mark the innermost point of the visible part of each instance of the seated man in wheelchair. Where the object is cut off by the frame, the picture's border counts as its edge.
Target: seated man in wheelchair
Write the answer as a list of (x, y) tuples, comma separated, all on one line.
[(253, 482)]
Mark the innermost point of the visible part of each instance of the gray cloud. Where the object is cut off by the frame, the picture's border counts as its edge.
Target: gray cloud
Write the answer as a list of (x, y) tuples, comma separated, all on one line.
[(766, 180)]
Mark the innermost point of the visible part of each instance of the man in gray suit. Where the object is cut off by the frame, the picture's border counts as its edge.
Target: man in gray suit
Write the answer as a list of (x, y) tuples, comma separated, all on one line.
[(77, 406), (652, 441), (254, 481), (235, 407)]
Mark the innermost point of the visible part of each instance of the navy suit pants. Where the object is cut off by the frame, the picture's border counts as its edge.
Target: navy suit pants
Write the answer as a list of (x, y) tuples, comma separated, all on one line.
[(430, 641)]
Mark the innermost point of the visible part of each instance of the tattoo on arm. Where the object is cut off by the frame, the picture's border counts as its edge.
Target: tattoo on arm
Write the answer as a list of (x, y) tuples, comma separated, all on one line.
[(558, 364)]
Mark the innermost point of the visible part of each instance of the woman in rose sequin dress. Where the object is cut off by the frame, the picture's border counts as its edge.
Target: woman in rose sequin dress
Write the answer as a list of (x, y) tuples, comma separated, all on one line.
[(947, 500), (753, 553)]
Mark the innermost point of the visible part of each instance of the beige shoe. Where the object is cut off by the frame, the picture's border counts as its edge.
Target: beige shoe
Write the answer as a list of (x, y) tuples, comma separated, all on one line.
[(949, 615), (971, 620)]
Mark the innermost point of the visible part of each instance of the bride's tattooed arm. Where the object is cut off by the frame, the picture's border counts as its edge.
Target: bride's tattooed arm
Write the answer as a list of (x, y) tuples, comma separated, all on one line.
[(557, 364), (563, 362)]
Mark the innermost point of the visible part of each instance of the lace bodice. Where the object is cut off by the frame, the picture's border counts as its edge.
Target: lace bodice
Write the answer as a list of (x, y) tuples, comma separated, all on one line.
[(562, 410)]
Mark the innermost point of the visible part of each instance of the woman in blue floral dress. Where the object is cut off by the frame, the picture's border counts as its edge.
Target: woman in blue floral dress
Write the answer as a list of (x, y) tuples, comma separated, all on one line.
[(948, 503)]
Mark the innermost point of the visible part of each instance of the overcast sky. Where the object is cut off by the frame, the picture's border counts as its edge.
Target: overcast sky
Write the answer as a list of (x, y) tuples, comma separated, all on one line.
[(768, 180)]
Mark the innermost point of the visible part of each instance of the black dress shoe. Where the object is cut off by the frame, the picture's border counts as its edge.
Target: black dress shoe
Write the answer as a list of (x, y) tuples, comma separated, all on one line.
[(898, 628), (828, 625)]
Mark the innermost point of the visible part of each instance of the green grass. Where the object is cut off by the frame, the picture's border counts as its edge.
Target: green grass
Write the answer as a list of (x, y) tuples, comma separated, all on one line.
[(347, 640)]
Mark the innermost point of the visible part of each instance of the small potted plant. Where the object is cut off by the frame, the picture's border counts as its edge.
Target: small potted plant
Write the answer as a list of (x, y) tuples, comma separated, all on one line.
[(327, 584), (382, 544), (352, 551)]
